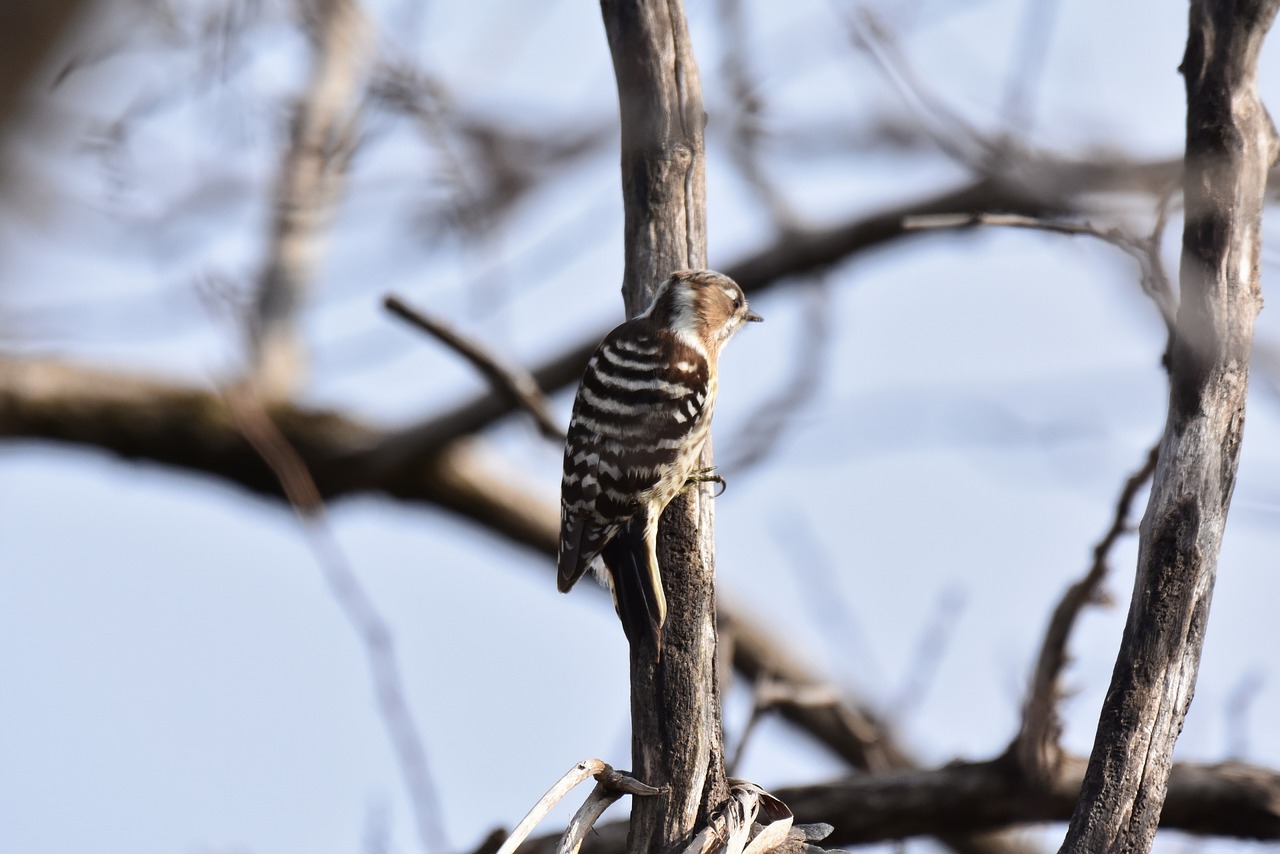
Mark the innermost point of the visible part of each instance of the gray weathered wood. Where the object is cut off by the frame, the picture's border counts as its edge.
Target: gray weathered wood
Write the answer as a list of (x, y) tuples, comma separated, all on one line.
[(961, 800), (676, 739), (1231, 145)]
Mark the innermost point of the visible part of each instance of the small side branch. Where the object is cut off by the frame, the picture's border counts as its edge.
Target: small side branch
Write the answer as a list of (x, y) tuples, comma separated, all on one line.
[(1144, 250), (517, 384), (1037, 746), (610, 782)]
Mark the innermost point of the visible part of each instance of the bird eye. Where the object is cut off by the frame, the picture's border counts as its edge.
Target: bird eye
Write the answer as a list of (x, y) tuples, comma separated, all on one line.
[(737, 303)]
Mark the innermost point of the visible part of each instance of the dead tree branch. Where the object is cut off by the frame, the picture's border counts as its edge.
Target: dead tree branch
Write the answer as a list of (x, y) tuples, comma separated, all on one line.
[(966, 799), (28, 33), (1037, 746), (676, 733), (313, 173), (193, 429), (1231, 145), (1146, 251), (511, 380)]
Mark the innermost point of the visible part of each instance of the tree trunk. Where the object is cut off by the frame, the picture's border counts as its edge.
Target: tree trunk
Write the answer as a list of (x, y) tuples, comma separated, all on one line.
[(676, 740), (1231, 145)]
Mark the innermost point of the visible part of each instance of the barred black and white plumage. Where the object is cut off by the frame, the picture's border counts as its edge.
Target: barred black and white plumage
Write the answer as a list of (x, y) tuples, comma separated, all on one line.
[(639, 422)]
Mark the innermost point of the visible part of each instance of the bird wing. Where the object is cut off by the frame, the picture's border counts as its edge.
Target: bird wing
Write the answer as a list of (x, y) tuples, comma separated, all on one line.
[(644, 394)]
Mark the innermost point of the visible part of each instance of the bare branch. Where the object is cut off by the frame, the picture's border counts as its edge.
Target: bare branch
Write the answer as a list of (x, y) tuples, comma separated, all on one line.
[(1059, 187), (746, 117), (374, 633), (1020, 85), (1242, 696), (966, 799), (1231, 145), (515, 382), (571, 778), (312, 177), (1037, 746), (1154, 281), (677, 739), (611, 783), (192, 429), (600, 799), (948, 129)]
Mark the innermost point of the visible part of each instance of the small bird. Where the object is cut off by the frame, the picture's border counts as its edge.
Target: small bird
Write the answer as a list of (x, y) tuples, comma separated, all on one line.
[(639, 422)]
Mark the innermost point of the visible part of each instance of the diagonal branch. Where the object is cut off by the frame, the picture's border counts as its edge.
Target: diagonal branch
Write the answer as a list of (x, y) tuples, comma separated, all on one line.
[(384, 668), (518, 385)]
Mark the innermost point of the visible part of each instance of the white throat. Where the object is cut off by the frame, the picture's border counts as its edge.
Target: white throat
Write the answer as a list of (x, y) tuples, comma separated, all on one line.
[(684, 320)]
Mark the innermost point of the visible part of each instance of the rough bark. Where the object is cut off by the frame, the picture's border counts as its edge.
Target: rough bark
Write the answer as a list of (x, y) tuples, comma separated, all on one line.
[(1231, 145), (676, 734)]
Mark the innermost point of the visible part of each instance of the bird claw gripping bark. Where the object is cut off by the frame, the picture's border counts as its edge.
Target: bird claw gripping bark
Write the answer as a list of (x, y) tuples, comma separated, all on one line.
[(707, 475)]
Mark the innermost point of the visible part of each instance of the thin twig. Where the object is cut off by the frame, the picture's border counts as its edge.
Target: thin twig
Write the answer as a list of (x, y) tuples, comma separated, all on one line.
[(769, 693), (512, 380), (303, 495), (610, 780), (746, 119), (1146, 251), (600, 799), (1020, 86), (1037, 745), (944, 125), (1236, 716), (927, 655)]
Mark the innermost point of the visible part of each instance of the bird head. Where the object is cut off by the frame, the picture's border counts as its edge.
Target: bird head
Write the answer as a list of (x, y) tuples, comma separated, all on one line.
[(701, 305)]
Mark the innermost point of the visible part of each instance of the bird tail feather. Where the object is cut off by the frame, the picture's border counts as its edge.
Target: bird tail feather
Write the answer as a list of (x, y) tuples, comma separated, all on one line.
[(637, 585)]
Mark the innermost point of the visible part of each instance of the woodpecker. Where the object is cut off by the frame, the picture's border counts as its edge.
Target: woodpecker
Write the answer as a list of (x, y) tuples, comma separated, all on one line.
[(639, 422)]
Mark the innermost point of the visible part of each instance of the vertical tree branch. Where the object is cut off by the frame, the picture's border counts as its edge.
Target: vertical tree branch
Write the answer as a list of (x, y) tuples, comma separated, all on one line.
[(1231, 145), (676, 739), (311, 181)]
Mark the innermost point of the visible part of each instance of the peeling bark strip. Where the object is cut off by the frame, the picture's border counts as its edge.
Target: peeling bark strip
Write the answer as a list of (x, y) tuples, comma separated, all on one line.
[(1231, 145), (676, 735)]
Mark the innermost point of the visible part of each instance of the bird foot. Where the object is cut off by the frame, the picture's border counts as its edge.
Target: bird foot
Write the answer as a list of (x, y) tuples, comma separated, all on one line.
[(707, 475)]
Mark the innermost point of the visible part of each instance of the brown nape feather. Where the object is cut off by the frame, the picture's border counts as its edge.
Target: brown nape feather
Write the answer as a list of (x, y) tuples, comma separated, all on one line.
[(713, 307)]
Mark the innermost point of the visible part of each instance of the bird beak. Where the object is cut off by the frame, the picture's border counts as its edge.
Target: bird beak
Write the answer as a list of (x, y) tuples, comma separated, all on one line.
[(753, 317)]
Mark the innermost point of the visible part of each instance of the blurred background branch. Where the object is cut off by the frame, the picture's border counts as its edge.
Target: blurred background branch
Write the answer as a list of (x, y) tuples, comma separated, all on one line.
[(933, 424)]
